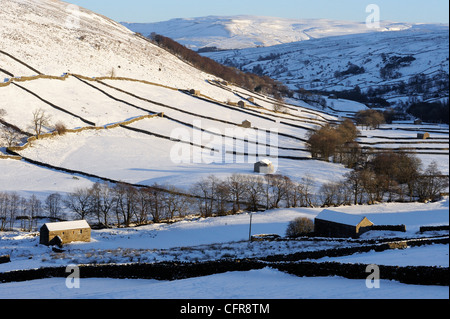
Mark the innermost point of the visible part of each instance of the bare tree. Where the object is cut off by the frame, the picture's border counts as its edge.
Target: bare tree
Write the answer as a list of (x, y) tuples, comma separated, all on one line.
[(53, 205), (254, 193), (10, 136), (204, 190), (299, 227), (79, 202), (306, 190), (40, 120), (4, 208), (431, 183), (34, 209), (237, 190), (102, 202), (275, 190), (156, 203), (143, 198), (174, 204), (125, 202)]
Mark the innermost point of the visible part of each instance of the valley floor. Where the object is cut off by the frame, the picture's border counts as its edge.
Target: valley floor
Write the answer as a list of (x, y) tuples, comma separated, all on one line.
[(256, 284), (226, 237)]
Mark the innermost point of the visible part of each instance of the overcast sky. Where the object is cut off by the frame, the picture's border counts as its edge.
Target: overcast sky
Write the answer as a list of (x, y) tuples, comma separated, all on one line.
[(429, 11)]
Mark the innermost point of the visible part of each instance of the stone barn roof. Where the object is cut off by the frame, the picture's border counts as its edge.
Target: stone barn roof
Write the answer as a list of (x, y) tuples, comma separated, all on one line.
[(340, 218), (77, 224)]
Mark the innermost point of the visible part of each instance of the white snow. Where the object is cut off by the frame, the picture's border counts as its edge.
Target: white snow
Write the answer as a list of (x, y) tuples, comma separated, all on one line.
[(36, 33), (75, 224), (243, 31), (256, 284)]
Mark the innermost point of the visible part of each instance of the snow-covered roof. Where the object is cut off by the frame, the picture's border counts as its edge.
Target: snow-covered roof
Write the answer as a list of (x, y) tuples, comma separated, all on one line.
[(340, 218), (76, 224), (266, 162)]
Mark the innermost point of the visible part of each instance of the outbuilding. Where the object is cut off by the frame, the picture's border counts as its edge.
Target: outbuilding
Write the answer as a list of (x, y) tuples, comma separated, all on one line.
[(264, 167), (65, 232), (241, 104), (195, 92), (330, 223), (246, 124), (423, 136)]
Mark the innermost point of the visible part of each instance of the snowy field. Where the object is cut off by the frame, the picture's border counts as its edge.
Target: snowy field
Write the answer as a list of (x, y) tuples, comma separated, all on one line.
[(256, 284), (225, 237), (102, 47), (203, 239)]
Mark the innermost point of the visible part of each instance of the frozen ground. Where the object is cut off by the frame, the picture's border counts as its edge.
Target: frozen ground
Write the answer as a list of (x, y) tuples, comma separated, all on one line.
[(256, 284), (101, 47), (226, 237)]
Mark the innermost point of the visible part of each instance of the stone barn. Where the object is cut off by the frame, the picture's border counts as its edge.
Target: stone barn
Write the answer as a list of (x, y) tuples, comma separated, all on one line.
[(65, 232), (241, 104), (340, 225), (264, 167), (246, 124), (423, 136), (195, 92)]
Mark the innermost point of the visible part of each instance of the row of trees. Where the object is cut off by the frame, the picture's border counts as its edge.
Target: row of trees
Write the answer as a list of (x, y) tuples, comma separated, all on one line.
[(251, 192), (337, 141), (125, 205), (13, 207), (437, 112), (387, 176), (370, 119)]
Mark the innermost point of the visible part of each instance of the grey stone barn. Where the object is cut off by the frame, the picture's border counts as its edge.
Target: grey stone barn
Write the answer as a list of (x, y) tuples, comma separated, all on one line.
[(264, 167), (340, 225), (65, 232)]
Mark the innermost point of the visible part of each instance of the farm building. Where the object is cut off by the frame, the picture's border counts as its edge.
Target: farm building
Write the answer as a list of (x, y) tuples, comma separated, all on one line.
[(65, 232), (264, 167), (241, 104), (195, 92), (423, 136), (246, 124), (335, 224)]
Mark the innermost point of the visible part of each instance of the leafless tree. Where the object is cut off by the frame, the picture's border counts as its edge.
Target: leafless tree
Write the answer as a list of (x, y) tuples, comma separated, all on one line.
[(431, 183), (40, 120), (275, 190), (254, 194), (10, 136), (53, 205), (156, 202), (125, 202), (236, 188), (300, 226), (79, 202), (102, 202)]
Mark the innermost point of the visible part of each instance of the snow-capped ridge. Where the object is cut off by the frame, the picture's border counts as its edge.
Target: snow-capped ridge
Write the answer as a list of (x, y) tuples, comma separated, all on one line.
[(246, 31)]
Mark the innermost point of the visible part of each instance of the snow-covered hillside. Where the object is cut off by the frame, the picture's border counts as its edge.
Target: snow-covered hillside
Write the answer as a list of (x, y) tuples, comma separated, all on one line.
[(134, 113), (399, 64), (54, 37), (239, 32)]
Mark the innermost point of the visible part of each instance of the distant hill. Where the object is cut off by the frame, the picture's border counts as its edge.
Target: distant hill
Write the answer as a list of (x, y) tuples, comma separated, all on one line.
[(400, 67), (239, 32)]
